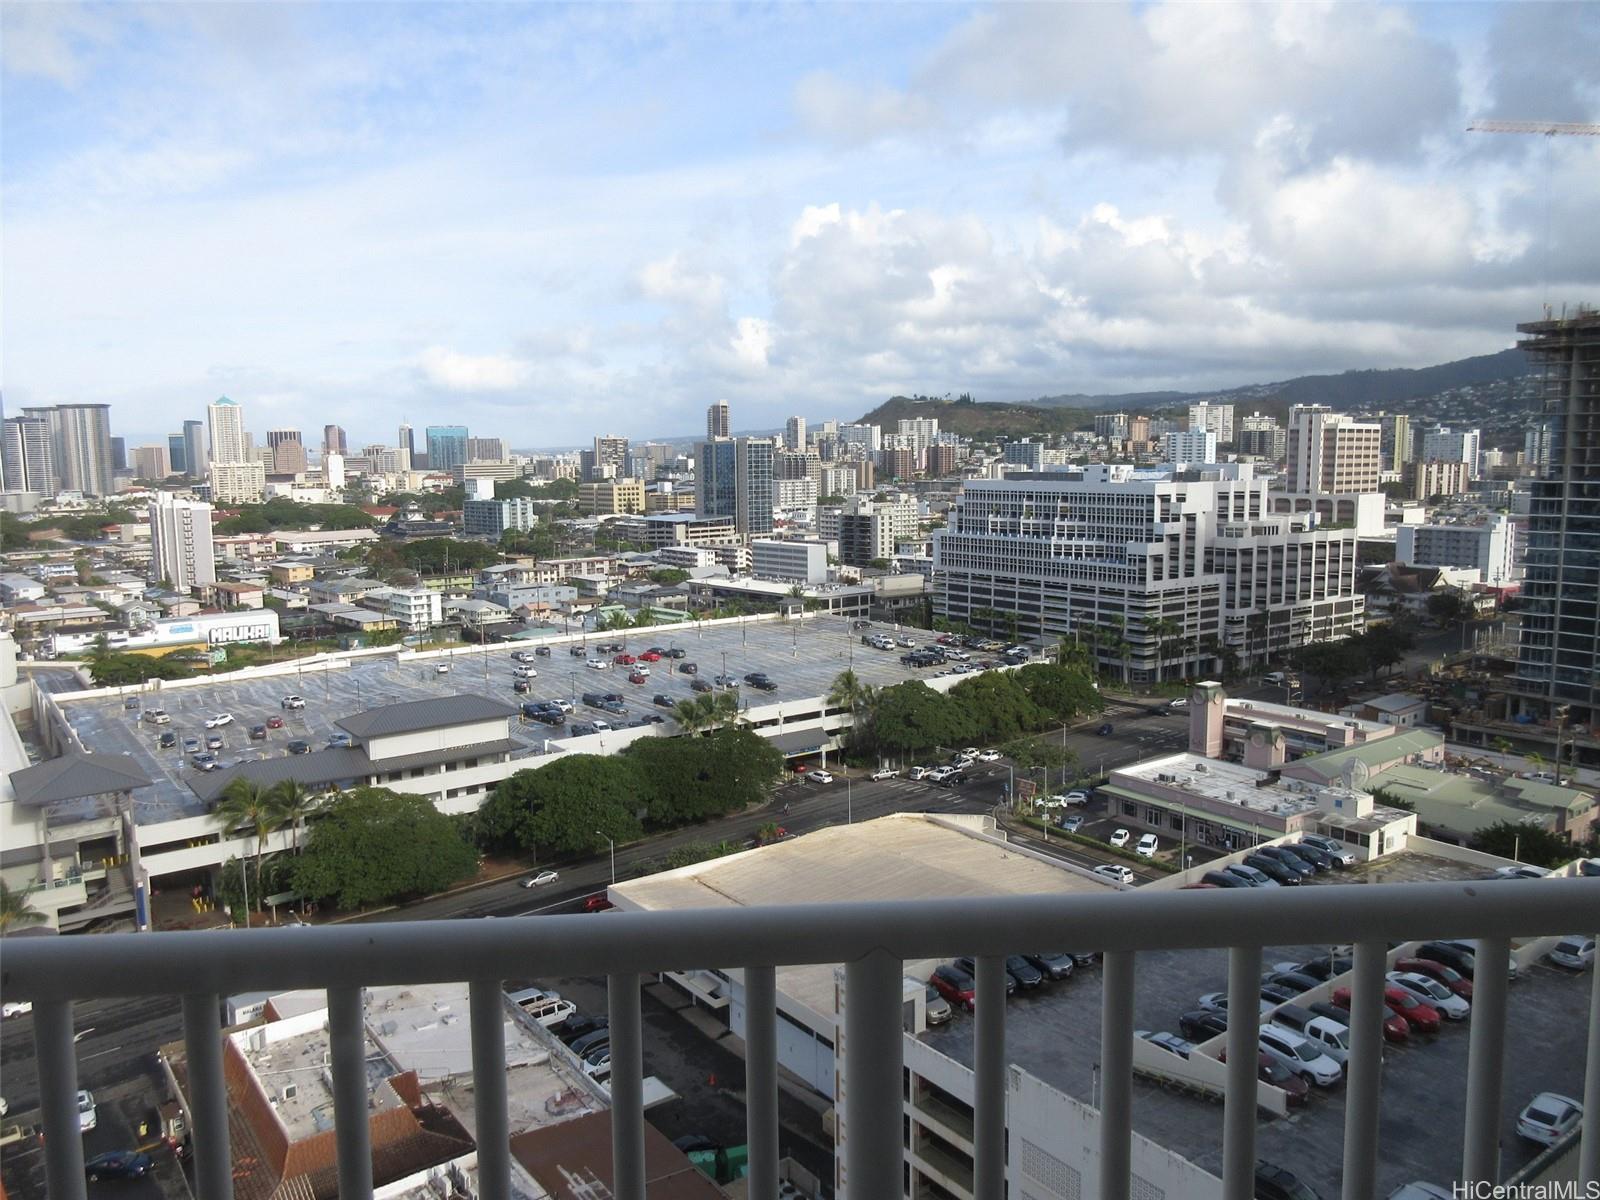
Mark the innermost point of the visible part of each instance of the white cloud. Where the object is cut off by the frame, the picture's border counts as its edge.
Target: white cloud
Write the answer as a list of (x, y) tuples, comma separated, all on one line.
[(455, 372), (851, 114)]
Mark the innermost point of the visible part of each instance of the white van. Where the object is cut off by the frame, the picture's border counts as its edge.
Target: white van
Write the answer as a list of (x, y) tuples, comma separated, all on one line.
[(547, 1008)]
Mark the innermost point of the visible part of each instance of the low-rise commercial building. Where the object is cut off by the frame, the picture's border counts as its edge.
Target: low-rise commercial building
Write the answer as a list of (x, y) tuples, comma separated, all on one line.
[(802, 561), (1488, 546)]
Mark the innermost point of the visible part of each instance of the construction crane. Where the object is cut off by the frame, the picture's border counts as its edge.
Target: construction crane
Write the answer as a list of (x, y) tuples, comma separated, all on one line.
[(1549, 130)]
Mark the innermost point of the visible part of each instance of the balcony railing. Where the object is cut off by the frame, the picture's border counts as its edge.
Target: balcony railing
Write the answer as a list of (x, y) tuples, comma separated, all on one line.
[(872, 940)]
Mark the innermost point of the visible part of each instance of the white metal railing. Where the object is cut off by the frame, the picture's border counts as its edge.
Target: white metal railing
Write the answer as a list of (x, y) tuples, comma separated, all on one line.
[(871, 940)]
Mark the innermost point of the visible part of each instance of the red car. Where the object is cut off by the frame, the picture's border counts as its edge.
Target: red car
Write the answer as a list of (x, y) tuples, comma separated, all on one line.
[(1419, 1016), (635, 677), (649, 656), (955, 985), (274, 722), (624, 660), (1395, 1027), (1449, 976), (597, 903), (800, 768), (1270, 1070)]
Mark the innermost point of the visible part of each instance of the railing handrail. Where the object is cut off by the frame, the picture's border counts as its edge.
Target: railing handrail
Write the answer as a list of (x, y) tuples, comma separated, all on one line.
[(47, 968)]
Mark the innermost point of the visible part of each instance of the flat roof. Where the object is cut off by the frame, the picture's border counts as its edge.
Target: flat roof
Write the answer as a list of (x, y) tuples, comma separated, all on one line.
[(1220, 781), (1288, 713), (416, 716), (904, 856)]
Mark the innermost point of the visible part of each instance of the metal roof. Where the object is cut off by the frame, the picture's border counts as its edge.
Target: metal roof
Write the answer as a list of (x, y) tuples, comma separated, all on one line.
[(414, 716), (804, 742), (75, 776), (1377, 753), (320, 768)]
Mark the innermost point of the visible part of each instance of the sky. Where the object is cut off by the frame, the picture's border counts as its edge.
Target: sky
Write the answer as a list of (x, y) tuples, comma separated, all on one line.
[(547, 222)]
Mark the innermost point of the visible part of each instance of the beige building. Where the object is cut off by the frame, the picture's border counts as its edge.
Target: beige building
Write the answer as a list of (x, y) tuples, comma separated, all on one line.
[(238, 483), (1331, 452), (1436, 477), (601, 497)]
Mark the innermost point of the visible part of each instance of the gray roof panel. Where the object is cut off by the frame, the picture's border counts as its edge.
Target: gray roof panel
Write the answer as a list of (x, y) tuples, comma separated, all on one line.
[(76, 775), (320, 768), (414, 716)]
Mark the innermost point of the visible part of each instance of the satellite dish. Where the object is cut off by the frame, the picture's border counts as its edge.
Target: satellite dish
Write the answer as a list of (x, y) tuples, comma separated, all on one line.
[(1355, 774)]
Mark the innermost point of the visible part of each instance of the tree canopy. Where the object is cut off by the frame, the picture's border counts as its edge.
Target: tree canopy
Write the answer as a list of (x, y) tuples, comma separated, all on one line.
[(1525, 843), (565, 807), (912, 716), (112, 670), (373, 846), (693, 779), (999, 706), (283, 513), (1061, 691)]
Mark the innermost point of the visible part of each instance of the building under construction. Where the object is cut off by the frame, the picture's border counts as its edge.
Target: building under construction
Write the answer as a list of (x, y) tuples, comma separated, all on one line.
[(1558, 661)]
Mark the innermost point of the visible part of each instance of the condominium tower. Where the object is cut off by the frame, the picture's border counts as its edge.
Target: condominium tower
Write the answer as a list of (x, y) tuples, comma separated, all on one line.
[(180, 542), (1331, 453), (226, 421)]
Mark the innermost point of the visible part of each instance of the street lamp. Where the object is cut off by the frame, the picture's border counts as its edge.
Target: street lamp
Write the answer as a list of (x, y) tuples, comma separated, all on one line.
[(613, 846)]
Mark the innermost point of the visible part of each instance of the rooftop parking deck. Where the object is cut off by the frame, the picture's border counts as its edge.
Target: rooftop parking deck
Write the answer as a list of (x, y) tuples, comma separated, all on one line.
[(801, 657)]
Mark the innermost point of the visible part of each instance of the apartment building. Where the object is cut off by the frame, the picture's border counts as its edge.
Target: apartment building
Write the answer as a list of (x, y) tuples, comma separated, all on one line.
[(1190, 446), (1218, 418), (1426, 478), (1112, 553), (416, 609), (1262, 436), (1111, 426), (238, 482), (1489, 547), (492, 518), (1332, 452), (181, 552), (1026, 454), (657, 530), (601, 497), (1445, 444)]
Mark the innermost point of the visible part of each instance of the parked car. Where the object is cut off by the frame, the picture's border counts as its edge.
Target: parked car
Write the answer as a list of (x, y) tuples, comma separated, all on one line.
[(884, 773), (989, 756), (1052, 966), (1449, 976), (1289, 859), (167, 740), (203, 762), (1024, 972), (1203, 1024), (1292, 981), (596, 664), (935, 1007), (577, 1025), (1269, 1070), (214, 741), (1223, 879), (1072, 823), (1433, 993), (1576, 953), (1279, 1183), (118, 1164), (955, 985), (1468, 946), (638, 677), (258, 733), (819, 776), (219, 720), (539, 880), (1318, 859), (1340, 853), (1332, 1037), (88, 1115), (1302, 1056), (274, 722), (699, 685), (1105, 730), (1419, 1016), (1147, 846), (970, 966), (1395, 1027), (1451, 955), (662, 700), (293, 702), (1169, 1042), (521, 686), (1115, 872), (1119, 838), (917, 773), (298, 747), (597, 903), (1273, 869), (1250, 876), (1549, 1117), (442, 669), (595, 1038), (1322, 969)]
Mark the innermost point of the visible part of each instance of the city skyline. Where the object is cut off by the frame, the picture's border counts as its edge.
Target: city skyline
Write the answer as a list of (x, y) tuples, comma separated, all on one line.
[(807, 228)]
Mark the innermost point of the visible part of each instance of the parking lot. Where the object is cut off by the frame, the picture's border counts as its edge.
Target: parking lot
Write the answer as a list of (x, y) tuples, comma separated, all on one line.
[(1053, 1033), (802, 658)]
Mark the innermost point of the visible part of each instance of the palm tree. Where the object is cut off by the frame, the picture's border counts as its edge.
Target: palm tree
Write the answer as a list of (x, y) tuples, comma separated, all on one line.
[(294, 805), (688, 716), (245, 803), (845, 692), (1161, 629), (17, 910)]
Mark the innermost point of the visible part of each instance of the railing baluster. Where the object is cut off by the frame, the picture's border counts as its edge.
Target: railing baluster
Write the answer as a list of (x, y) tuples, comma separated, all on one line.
[(58, 1099), (208, 1096), (489, 1089), (989, 1105), (1244, 1053), (1589, 1152), (761, 1080), (875, 1101), (1486, 1050), (1116, 1075), (348, 1053), (1361, 1098), (627, 1088)]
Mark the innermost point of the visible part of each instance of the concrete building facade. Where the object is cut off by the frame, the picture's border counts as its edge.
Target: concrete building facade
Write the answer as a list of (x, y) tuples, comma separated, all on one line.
[(181, 551)]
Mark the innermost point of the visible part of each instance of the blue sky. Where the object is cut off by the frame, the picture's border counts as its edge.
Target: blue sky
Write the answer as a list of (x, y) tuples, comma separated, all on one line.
[(548, 222)]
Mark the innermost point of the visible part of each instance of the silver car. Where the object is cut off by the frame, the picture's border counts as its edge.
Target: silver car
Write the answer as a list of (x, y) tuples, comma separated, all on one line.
[(937, 1007)]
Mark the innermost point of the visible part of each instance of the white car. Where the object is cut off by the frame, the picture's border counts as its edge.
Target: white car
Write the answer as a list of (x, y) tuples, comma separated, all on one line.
[(989, 756), (1549, 1117), (1147, 846), (218, 721), (596, 664), (87, 1117), (1119, 838), (15, 1008), (1300, 1055), (1115, 872), (564, 705), (292, 702), (539, 880), (885, 773), (1180, 702), (1431, 991), (1576, 953), (971, 752), (1076, 797), (442, 669), (819, 776)]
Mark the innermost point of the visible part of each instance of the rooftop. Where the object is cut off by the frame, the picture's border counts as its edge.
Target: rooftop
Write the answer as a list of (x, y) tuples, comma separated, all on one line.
[(1288, 713), (1221, 781), (1401, 744), (415, 716)]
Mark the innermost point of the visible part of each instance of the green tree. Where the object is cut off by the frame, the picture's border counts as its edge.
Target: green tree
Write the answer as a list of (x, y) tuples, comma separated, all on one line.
[(1164, 631), (1448, 607), (557, 809), (999, 706), (294, 804), (247, 804), (668, 576), (684, 779), (1525, 843), (17, 910), (912, 716), (1060, 691), (373, 846)]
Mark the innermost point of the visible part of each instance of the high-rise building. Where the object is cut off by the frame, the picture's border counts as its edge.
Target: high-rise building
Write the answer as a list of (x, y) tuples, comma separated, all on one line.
[(1536, 445), (288, 451), (333, 440), (922, 432), (153, 462), (794, 433), (603, 497), (491, 518), (609, 458), (717, 420), (1112, 426), (80, 445), (865, 439), (1027, 454), (180, 542), (1560, 630), (177, 456), (1190, 446), (756, 493), (486, 449), (407, 442), (28, 455), (1396, 443), (194, 450), (1489, 546), (447, 447), (238, 483), (716, 477), (226, 421), (943, 460), (1218, 418), (1443, 444), (899, 463), (1429, 477), (1139, 429), (870, 529), (1331, 453), (1115, 553), (119, 454), (1261, 436)]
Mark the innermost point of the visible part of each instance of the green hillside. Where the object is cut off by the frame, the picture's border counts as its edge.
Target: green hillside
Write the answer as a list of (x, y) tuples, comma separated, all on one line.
[(981, 422)]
